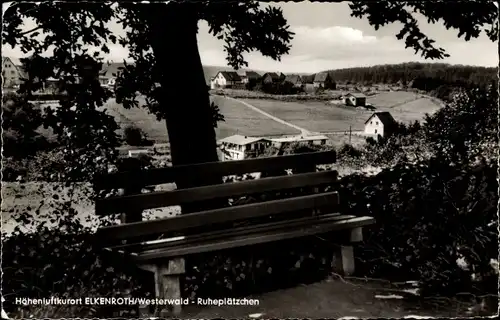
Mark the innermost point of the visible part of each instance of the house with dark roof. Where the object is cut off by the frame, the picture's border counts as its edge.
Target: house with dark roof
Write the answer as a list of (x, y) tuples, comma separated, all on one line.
[(249, 76), (324, 80), (380, 124), (294, 79), (355, 99), (225, 79), (12, 73), (109, 72), (273, 77)]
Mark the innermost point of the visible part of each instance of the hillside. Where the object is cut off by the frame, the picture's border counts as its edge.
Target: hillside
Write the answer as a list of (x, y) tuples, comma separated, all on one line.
[(405, 72)]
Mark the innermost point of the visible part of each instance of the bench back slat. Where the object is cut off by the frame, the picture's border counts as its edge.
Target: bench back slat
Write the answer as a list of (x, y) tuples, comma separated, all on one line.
[(209, 217), (223, 168), (152, 200)]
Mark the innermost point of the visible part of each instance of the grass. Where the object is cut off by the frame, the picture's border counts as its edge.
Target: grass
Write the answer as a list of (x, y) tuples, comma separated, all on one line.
[(313, 116), (323, 117), (239, 119)]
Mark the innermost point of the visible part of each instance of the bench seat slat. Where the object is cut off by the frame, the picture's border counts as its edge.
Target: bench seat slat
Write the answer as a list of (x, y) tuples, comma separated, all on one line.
[(245, 240), (213, 235), (223, 168), (204, 218), (121, 204)]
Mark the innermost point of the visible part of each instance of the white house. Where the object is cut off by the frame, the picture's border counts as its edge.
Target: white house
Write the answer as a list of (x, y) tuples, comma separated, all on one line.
[(380, 124), (238, 147), (225, 79), (303, 140), (12, 73)]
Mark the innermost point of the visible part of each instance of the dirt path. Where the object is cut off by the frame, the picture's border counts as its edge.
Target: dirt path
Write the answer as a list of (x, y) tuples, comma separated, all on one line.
[(326, 299), (303, 131)]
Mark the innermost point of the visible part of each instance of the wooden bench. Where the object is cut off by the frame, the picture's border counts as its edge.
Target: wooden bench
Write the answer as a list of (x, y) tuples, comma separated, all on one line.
[(308, 210)]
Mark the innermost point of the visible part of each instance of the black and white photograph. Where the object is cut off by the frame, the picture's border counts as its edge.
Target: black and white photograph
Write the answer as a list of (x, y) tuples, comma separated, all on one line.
[(249, 159)]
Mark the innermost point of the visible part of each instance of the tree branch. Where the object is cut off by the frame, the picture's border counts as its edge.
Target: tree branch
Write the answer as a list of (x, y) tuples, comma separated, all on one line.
[(29, 31)]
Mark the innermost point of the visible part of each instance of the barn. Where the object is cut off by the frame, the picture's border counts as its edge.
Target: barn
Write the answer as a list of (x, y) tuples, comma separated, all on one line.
[(355, 99)]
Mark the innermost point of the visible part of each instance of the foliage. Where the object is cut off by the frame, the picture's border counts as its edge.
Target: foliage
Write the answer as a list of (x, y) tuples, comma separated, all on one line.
[(423, 76), (40, 261), (429, 214), (133, 136), (21, 120), (216, 115), (281, 88), (467, 127), (467, 17)]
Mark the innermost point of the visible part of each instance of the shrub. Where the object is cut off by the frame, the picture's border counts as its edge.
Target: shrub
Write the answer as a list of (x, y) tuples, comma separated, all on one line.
[(429, 214), (349, 151), (134, 136), (21, 120), (63, 262)]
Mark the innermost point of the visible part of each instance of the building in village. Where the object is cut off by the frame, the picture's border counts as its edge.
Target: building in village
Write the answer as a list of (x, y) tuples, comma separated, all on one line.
[(273, 77), (294, 79), (249, 76), (355, 99), (12, 73), (324, 80), (281, 142), (109, 73), (380, 124), (238, 147), (226, 79)]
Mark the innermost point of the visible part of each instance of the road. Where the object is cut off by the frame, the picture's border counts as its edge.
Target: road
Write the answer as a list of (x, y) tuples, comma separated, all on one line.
[(303, 132)]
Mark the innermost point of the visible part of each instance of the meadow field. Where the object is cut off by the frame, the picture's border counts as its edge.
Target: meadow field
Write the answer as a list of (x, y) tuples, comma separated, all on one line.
[(405, 107), (239, 119)]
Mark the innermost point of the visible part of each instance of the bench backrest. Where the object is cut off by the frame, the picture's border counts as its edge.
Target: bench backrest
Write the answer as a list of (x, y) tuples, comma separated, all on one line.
[(140, 202)]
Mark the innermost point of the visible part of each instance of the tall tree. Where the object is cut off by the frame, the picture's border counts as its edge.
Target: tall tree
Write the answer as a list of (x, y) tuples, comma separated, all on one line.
[(167, 67)]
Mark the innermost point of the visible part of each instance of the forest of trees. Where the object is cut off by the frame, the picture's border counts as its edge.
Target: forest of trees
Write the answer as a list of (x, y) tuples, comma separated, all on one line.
[(441, 73)]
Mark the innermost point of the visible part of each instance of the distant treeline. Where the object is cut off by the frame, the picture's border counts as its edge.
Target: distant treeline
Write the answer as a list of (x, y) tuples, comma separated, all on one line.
[(404, 73)]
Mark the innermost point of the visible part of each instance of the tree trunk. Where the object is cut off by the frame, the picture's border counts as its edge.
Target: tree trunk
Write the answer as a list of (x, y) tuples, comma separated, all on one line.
[(185, 99)]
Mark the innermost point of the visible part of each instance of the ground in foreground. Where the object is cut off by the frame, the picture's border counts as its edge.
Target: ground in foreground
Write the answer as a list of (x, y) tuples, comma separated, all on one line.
[(329, 299)]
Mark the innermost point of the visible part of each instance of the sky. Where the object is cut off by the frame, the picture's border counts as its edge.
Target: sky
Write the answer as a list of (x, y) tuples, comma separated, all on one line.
[(327, 37)]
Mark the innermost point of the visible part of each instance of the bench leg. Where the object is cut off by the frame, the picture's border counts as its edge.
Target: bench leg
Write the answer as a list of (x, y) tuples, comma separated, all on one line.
[(167, 286), (343, 260)]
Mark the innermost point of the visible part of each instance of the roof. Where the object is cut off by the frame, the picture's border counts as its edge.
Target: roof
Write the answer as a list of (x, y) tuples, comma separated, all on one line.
[(321, 77), (293, 78), (240, 140), (273, 75), (110, 70), (385, 117), (252, 75), (230, 75), (298, 138), (356, 95)]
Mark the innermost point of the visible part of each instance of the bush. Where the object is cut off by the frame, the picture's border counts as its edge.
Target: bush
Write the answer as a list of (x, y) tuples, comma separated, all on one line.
[(134, 136), (63, 262), (21, 120), (429, 214), (282, 88)]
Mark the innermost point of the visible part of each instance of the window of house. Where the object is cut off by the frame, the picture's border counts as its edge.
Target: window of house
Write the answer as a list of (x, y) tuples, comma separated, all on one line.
[(375, 130), (11, 71), (371, 122), (376, 123)]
